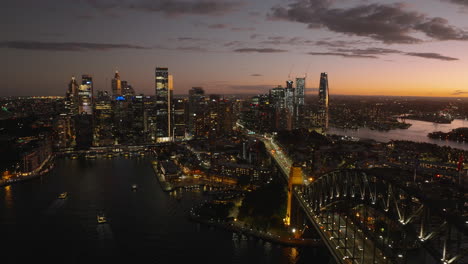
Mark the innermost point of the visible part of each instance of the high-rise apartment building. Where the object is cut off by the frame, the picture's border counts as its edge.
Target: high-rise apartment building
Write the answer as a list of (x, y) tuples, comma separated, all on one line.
[(163, 97)]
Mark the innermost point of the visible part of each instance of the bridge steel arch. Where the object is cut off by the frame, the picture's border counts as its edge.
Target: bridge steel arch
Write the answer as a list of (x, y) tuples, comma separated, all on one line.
[(426, 231)]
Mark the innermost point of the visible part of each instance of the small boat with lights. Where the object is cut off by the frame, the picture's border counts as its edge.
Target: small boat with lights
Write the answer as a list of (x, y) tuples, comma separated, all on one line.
[(101, 218), (134, 187), (63, 195)]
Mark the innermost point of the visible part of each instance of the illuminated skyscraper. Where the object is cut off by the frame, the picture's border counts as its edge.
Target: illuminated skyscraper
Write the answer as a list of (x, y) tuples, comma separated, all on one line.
[(300, 91), (71, 98), (163, 89), (323, 100), (85, 95), (299, 102), (116, 85)]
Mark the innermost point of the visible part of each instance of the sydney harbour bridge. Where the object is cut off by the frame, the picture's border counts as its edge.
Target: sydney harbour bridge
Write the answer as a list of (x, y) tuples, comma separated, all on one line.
[(373, 215)]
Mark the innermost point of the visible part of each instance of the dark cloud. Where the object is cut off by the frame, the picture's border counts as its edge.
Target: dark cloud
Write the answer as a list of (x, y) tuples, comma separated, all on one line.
[(189, 39), (370, 51), (343, 54), (182, 48), (66, 46), (254, 36), (436, 56), (217, 26), (259, 50), (256, 75), (243, 29), (339, 43), (169, 7), (438, 28), (233, 43), (459, 92), (374, 53), (458, 2), (389, 23), (279, 40)]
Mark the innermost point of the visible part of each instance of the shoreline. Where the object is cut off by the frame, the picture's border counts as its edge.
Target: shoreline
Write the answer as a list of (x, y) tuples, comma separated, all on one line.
[(267, 237), (48, 164), (167, 187)]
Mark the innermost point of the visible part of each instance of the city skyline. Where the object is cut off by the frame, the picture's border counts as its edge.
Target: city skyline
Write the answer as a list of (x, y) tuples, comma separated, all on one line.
[(238, 47)]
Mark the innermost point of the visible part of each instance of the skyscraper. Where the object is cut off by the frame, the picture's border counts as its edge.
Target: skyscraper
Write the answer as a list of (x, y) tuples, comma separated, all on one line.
[(163, 91), (71, 98), (116, 85), (299, 103), (323, 100), (300, 91), (196, 108), (85, 95)]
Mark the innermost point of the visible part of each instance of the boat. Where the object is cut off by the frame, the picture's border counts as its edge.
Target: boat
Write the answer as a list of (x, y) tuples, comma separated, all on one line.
[(63, 195), (101, 218), (90, 155), (134, 187), (74, 156)]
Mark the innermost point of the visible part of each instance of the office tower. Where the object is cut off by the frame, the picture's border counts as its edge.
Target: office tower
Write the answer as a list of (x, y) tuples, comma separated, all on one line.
[(85, 95), (139, 117), (196, 107), (289, 97), (323, 101), (163, 89), (127, 90), (299, 103), (300, 91), (282, 101), (103, 120), (71, 98), (116, 85), (179, 122)]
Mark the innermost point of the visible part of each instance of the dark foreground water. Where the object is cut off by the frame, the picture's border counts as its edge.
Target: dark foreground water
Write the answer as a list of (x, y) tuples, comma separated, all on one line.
[(146, 226)]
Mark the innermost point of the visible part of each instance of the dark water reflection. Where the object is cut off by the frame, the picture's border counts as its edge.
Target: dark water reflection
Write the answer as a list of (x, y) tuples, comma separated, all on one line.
[(416, 132), (144, 226)]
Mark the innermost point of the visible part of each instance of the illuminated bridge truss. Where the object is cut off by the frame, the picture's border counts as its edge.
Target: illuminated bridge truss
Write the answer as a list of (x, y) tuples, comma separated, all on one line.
[(367, 218)]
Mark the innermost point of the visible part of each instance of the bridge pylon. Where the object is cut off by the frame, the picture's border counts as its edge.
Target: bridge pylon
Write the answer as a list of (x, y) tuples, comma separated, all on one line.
[(295, 178)]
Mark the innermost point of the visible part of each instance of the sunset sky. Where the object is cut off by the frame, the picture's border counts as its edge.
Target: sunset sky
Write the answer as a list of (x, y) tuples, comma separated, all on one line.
[(368, 47)]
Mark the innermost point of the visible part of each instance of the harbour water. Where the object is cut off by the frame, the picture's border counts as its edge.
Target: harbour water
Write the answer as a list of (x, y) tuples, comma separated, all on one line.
[(416, 132), (143, 226)]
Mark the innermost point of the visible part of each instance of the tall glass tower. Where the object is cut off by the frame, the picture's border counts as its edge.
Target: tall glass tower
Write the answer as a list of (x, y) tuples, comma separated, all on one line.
[(323, 100), (85, 95), (71, 98), (300, 91), (163, 91)]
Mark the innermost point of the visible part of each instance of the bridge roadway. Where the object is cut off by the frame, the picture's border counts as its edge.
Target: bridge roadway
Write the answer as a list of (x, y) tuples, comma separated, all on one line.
[(346, 243)]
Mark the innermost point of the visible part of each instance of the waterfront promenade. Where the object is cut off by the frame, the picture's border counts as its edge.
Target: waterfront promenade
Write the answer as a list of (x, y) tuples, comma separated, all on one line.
[(239, 228)]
